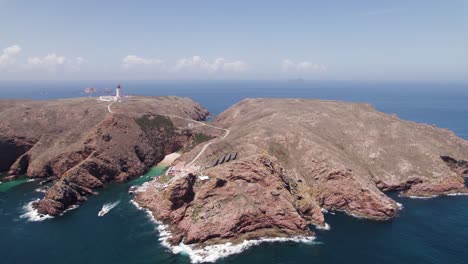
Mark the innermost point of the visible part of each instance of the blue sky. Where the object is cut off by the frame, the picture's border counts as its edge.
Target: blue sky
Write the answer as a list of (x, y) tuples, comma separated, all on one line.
[(330, 40)]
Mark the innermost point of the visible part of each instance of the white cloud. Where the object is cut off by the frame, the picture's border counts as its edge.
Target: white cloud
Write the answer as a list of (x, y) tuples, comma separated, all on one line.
[(53, 62), (9, 55), (80, 60), (132, 60), (302, 67), (199, 64)]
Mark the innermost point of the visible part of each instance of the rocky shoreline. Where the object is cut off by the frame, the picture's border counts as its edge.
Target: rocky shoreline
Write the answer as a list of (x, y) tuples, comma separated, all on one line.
[(339, 157), (79, 146), (295, 160)]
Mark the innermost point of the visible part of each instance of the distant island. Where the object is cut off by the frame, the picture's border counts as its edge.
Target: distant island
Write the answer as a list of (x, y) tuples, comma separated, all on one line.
[(264, 168)]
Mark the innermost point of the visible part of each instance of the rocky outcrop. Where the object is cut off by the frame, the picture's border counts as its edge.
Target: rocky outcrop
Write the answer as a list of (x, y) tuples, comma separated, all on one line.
[(244, 199), (83, 146), (297, 158), (458, 166)]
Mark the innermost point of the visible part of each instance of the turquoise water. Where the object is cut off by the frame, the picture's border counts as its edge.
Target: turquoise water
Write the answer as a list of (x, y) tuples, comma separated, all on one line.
[(5, 186), (427, 231)]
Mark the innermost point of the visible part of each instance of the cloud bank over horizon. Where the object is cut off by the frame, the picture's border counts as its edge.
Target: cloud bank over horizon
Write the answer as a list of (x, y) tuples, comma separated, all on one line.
[(373, 40), (53, 65), (50, 64), (194, 64), (302, 67)]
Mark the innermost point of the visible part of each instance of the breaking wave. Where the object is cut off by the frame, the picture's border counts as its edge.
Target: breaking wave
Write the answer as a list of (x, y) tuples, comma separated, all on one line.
[(423, 197), (214, 252), (41, 190), (31, 214), (457, 194), (326, 227)]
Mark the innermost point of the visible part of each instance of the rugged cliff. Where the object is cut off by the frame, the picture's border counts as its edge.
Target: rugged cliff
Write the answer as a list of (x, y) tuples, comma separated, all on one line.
[(298, 157), (80, 145)]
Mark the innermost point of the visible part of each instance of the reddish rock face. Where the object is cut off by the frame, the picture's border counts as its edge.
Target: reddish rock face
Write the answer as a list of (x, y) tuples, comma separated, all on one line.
[(246, 198), (297, 156), (82, 146)]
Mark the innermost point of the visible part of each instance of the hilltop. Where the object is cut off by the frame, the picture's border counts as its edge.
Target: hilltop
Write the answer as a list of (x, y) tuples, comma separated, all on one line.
[(298, 159), (80, 144)]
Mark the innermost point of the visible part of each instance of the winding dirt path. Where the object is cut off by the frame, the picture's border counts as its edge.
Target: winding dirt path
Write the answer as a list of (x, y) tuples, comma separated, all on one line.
[(209, 143), (109, 107)]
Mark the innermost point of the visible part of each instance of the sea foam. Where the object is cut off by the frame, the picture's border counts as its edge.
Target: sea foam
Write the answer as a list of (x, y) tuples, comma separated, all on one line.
[(423, 197), (41, 190), (457, 194), (31, 214), (214, 252), (326, 227)]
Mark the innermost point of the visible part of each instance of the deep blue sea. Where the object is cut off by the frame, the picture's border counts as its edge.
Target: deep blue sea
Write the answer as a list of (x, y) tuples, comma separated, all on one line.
[(427, 231)]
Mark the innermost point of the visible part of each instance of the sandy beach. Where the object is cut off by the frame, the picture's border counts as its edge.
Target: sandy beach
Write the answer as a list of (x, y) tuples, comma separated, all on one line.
[(168, 159)]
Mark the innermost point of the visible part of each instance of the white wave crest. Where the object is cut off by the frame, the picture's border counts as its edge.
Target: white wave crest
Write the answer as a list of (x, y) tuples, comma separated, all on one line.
[(326, 227), (400, 206), (148, 212), (72, 207), (457, 194), (423, 197), (214, 252), (31, 214), (41, 190)]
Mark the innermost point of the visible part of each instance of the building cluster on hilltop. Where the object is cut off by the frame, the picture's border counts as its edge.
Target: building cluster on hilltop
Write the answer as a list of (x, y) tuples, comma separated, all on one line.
[(111, 98)]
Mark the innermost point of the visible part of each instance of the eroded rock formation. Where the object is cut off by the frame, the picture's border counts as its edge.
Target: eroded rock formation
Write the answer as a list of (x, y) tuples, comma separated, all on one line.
[(298, 156), (82, 146), (244, 199)]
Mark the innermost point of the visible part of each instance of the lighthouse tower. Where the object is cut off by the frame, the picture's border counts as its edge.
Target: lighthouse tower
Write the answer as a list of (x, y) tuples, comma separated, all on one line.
[(118, 92)]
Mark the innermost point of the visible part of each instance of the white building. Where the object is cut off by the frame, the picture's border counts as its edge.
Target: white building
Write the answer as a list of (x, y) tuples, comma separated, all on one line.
[(117, 92), (117, 97)]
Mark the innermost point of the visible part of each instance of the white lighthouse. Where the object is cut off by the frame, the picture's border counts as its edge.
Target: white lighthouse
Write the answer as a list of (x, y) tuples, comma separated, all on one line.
[(117, 97), (118, 92)]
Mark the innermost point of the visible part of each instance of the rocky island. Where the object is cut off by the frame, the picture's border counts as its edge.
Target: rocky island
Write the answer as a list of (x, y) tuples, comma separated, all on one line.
[(295, 160), (80, 144), (264, 168)]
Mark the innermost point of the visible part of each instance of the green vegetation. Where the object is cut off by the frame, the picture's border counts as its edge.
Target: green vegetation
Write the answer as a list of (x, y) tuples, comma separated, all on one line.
[(197, 139), (196, 212), (159, 130), (200, 138), (164, 178), (155, 122)]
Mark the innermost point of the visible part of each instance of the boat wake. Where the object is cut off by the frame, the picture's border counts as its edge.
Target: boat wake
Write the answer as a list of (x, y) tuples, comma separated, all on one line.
[(107, 207), (31, 214)]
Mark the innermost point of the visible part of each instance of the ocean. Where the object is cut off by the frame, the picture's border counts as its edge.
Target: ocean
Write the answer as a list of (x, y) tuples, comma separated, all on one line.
[(426, 231)]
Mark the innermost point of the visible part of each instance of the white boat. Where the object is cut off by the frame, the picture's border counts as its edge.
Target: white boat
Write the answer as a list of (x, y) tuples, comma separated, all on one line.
[(107, 207)]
